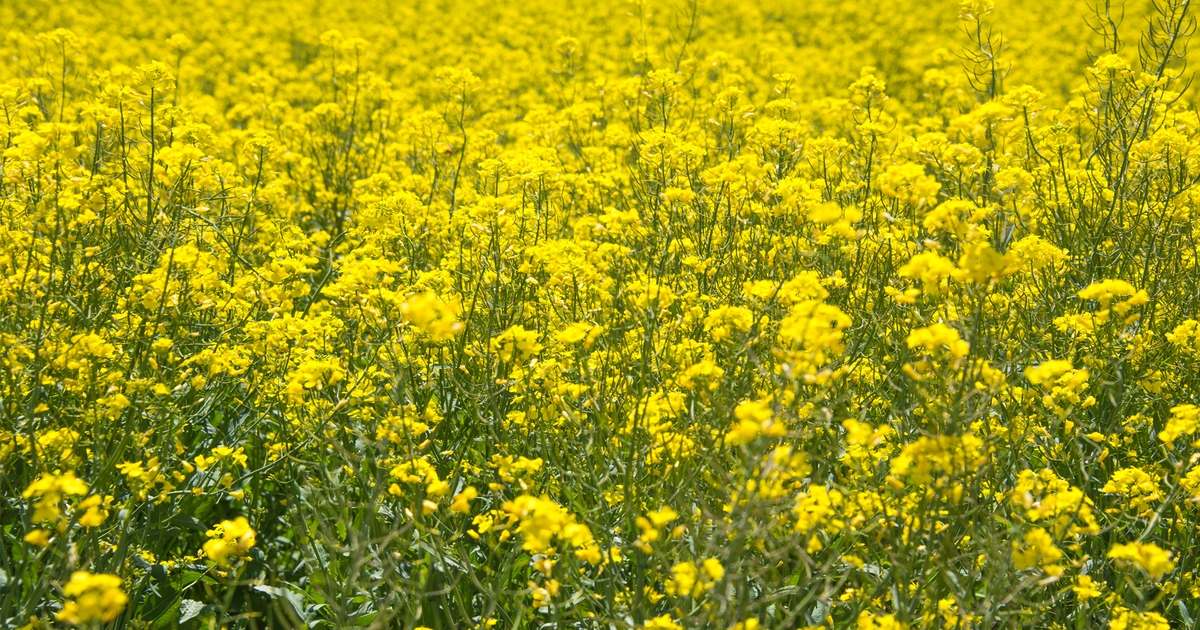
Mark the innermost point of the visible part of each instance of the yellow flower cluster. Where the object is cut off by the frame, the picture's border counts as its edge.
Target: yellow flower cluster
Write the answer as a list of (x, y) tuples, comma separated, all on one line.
[(230, 539), (731, 314), (92, 598)]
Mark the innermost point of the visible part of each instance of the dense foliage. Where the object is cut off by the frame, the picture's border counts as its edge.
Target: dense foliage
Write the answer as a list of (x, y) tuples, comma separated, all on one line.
[(492, 314)]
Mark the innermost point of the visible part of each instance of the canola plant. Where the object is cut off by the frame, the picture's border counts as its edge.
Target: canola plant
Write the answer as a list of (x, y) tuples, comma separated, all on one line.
[(718, 314)]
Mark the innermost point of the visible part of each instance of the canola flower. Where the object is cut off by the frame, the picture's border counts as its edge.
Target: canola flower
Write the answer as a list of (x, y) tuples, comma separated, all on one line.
[(228, 540), (92, 598), (690, 314)]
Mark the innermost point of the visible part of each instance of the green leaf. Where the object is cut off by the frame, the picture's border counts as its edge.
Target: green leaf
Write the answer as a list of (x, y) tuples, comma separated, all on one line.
[(168, 620), (188, 522), (292, 597), (164, 604), (190, 609), (188, 578)]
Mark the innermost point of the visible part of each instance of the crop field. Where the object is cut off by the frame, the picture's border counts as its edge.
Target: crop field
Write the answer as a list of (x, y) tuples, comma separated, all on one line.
[(613, 315)]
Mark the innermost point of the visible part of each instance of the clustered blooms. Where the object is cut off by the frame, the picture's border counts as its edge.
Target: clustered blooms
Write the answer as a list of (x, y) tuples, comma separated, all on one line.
[(92, 598), (229, 540), (730, 314)]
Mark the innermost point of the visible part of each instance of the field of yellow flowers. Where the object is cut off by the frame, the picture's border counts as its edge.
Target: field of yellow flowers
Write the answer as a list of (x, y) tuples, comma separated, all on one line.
[(718, 314)]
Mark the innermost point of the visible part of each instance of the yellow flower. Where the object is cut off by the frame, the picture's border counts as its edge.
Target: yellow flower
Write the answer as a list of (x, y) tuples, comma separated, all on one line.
[(754, 417), (1184, 420), (1148, 557), (938, 340), (204, 463), (1085, 588), (1047, 371), (573, 333), (1138, 487), (96, 510), (713, 569), (1037, 550), (723, 321), (431, 315), (50, 489), (229, 539), (662, 622), (684, 581), (945, 456), (92, 598), (542, 520), (662, 516), (931, 268), (462, 501), (909, 182), (972, 10), (871, 621), (817, 506), (516, 344), (651, 525), (1125, 619), (1107, 291), (223, 452), (38, 537)]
